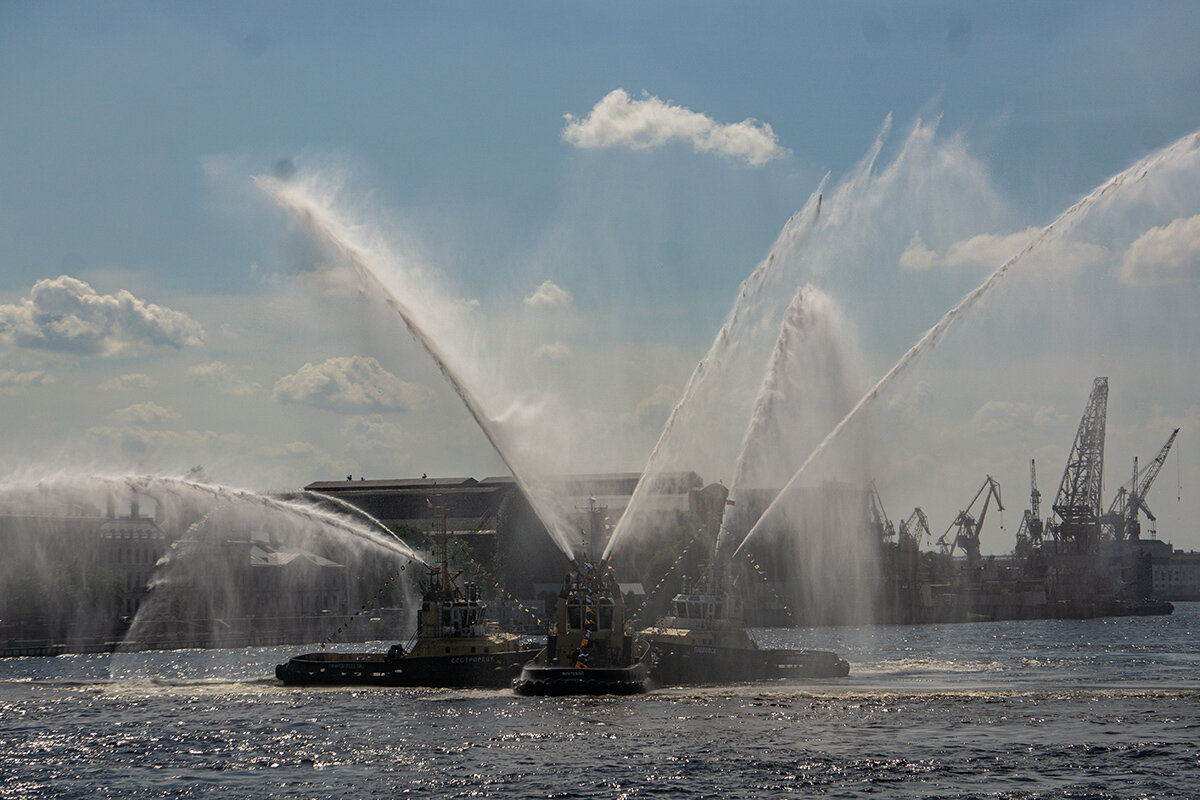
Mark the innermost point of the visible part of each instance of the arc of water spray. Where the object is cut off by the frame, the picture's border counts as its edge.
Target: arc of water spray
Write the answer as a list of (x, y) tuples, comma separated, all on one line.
[(1063, 223), (353, 511), (798, 227), (309, 214), (767, 390), (795, 233), (146, 484)]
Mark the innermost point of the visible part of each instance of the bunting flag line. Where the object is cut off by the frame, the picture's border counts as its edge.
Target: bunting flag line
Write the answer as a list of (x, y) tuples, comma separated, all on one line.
[(758, 569)]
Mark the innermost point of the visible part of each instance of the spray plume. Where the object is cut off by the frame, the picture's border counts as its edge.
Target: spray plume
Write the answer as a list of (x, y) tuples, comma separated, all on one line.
[(1063, 224), (747, 315), (322, 219)]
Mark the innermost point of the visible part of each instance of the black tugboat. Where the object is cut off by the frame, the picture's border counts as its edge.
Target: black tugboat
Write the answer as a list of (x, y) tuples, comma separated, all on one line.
[(590, 648), (455, 645), (703, 641)]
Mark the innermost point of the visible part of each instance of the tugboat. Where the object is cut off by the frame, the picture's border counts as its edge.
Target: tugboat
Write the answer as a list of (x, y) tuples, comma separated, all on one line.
[(454, 646), (703, 641), (590, 649)]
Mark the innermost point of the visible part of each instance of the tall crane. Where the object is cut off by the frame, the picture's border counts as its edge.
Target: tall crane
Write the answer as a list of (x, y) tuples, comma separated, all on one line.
[(967, 537), (1131, 499), (1078, 502), (914, 529), (1029, 533), (879, 517)]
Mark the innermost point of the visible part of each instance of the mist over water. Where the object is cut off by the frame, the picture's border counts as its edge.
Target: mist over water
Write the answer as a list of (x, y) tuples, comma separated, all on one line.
[(189, 563)]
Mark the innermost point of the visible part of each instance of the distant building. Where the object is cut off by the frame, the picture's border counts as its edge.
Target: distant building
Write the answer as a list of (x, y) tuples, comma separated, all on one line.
[(129, 547), (77, 575), (475, 509), (1177, 575), (496, 520)]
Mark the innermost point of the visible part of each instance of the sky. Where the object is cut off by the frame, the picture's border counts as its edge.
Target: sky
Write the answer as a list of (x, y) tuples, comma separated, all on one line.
[(575, 194)]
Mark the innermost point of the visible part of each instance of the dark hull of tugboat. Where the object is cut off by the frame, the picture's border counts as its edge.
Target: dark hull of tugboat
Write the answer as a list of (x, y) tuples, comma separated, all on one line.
[(679, 664), (539, 680), (485, 670)]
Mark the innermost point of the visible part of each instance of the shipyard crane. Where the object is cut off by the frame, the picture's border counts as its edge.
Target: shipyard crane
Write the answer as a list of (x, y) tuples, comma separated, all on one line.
[(1077, 504), (967, 536), (879, 517), (914, 529), (1029, 533), (1132, 498)]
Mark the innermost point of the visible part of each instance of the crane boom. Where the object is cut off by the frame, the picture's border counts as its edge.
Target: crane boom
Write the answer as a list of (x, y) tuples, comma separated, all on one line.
[(1151, 472), (1078, 502), (1137, 497), (967, 536), (1131, 498)]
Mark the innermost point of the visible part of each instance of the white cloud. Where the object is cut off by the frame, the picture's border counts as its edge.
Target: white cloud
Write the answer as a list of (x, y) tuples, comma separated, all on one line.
[(988, 249), (138, 441), (217, 373), (131, 380), (66, 314), (1167, 254), (1000, 416), (212, 370), (991, 250), (145, 414), (350, 385), (548, 295), (909, 400), (917, 256), (12, 381), (556, 351), (655, 408), (373, 434), (618, 121)]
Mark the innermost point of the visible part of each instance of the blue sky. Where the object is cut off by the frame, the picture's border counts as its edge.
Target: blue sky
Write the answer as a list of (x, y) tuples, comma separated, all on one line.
[(130, 133)]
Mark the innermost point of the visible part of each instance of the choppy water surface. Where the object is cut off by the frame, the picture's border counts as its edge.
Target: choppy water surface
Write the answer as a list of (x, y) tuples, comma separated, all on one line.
[(1099, 708)]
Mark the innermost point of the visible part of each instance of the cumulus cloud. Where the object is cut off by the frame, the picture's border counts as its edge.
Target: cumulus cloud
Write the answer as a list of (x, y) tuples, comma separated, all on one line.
[(65, 314), (556, 351), (655, 408), (12, 382), (990, 250), (218, 374), (350, 385), (138, 441), (372, 434), (1001, 416), (131, 380), (909, 400), (917, 256), (1166, 254), (618, 121), (145, 414), (548, 295)]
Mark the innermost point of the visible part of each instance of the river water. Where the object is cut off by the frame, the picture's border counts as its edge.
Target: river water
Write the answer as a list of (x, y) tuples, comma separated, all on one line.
[(1105, 708)]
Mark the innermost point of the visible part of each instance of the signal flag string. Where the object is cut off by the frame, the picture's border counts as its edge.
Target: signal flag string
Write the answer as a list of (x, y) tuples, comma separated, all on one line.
[(670, 571), (365, 606), (508, 595), (754, 563)]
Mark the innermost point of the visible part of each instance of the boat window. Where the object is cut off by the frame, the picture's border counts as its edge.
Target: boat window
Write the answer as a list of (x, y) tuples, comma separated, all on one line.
[(604, 614), (576, 610)]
